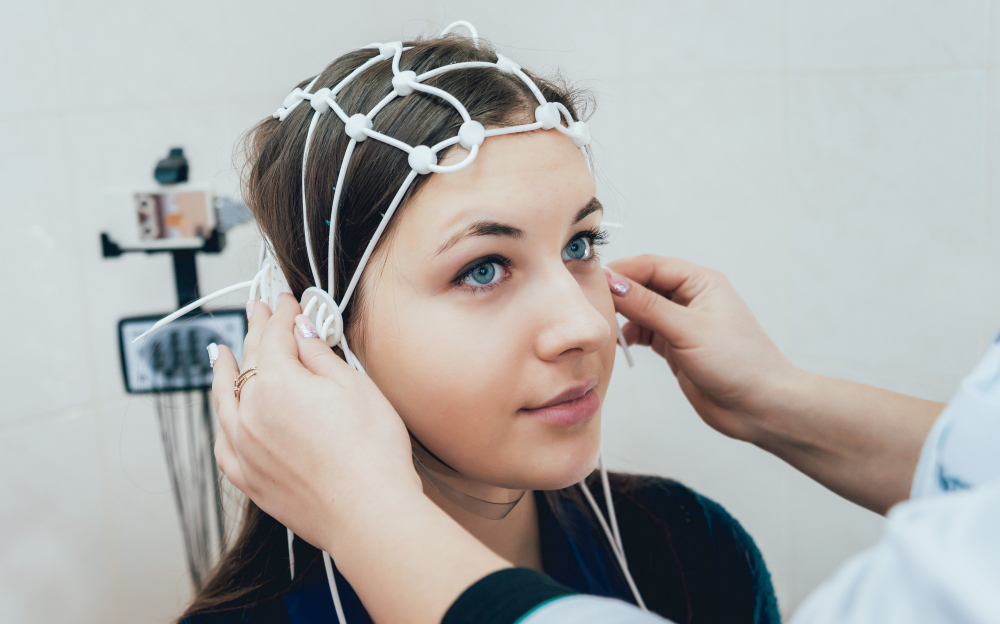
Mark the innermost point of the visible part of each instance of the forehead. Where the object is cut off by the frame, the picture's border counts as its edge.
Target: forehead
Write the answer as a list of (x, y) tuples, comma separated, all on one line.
[(515, 178)]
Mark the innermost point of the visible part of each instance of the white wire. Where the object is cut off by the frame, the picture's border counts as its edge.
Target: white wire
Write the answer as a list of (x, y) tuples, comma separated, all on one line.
[(460, 24), (192, 306), (465, 162), (378, 233), (332, 580), (291, 552), (374, 134), (447, 68), (606, 486), (331, 285), (624, 345), (305, 211), (444, 95), (614, 547)]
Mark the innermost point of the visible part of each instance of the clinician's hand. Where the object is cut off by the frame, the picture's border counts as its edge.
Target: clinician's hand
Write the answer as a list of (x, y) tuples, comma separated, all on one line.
[(861, 442), (316, 445), (727, 366)]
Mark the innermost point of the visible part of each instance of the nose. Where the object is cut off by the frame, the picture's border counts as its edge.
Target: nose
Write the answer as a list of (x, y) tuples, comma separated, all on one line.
[(568, 325)]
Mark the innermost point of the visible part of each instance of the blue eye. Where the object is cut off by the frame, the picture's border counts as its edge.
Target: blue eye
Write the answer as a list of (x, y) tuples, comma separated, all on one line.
[(577, 249), (484, 274)]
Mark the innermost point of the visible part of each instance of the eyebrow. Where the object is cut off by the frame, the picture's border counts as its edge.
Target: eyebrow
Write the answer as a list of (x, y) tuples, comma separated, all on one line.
[(592, 206), (502, 230)]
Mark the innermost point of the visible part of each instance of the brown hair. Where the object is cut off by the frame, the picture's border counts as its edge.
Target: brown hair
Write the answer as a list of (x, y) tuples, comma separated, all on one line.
[(255, 568)]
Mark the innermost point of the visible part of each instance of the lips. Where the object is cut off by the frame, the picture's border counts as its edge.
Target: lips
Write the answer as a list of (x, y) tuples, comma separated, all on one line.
[(572, 406)]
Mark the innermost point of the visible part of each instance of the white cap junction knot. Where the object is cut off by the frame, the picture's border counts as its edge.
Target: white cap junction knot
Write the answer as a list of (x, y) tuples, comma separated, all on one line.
[(548, 115), (321, 100), (421, 159), (356, 126), (579, 131), (402, 83), (471, 133)]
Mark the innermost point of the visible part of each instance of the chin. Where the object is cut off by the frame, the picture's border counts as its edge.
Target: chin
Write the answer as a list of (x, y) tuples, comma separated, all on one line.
[(558, 465)]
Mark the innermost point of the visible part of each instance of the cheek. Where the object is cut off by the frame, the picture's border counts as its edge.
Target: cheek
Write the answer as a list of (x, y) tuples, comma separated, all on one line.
[(449, 375)]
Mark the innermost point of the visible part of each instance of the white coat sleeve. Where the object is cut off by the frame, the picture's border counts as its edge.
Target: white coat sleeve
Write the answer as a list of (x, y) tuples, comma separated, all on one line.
[(939, 557)]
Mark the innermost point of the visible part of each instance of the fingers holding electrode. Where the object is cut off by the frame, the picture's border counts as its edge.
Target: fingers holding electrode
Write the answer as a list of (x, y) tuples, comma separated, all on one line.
[(277, 344), (646, 308), (315, 354)]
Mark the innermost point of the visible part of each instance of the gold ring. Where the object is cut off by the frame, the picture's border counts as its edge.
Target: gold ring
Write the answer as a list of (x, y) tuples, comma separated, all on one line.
[(242, 379)]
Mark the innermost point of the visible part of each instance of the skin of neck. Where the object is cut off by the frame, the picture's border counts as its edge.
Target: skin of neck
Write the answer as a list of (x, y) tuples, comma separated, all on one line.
[(514, 538)]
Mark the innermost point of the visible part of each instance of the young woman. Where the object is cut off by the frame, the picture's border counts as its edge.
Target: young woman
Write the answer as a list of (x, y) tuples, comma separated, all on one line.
[(485, 318)]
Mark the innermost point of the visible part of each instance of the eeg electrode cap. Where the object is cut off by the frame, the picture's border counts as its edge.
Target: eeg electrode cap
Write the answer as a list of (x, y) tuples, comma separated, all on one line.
[(547, 115), (506, 65), (320, 103), (579, 131), (471, 133), (320, 308), (356, 125), (421, 159), (401, 82), (388, 50), (292, 97)]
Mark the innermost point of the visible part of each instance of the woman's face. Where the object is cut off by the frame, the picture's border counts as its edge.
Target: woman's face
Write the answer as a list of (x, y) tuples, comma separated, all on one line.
[(490, 325)]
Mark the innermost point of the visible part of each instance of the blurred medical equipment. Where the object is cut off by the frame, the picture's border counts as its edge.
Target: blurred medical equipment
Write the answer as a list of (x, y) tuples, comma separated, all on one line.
[(182, 220), (173, 168), (318, 303)]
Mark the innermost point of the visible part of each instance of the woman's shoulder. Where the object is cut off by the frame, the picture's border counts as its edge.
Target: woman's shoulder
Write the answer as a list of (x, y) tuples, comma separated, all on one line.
[(679, 541)]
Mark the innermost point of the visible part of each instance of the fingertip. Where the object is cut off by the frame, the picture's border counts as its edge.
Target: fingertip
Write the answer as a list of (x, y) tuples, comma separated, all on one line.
[(616, 283), (304, 327)]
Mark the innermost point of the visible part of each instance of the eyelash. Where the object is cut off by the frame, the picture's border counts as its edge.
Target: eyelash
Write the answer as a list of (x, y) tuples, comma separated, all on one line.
[(597, 238)]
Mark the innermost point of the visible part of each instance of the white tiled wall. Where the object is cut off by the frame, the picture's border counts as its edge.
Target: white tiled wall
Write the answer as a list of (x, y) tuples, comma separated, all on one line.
[(838, 160)]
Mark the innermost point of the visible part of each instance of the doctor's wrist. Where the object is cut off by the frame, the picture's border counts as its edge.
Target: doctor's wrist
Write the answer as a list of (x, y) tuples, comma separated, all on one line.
[(774, 416)]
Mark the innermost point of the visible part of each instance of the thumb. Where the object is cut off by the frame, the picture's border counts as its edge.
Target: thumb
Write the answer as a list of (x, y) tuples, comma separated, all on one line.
[(648, 308), (316, 356)]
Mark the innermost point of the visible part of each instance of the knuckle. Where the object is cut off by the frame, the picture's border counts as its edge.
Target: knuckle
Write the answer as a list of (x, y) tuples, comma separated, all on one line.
[(648, 301)]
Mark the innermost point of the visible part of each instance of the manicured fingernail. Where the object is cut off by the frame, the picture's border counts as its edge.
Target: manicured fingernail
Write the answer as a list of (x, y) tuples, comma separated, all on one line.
[(305, 327), (213, 354), (618, 284), (250, 309)]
